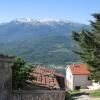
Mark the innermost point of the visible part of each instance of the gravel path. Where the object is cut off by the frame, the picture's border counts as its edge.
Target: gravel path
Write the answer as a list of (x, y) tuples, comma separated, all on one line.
[(84, 97)]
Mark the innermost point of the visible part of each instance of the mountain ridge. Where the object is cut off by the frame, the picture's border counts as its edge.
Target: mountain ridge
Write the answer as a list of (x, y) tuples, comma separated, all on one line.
[(44, 20), (48, 44)]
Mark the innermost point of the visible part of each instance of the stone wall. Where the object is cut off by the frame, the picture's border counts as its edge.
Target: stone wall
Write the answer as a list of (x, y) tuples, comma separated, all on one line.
[(5, 77), (39, 95)]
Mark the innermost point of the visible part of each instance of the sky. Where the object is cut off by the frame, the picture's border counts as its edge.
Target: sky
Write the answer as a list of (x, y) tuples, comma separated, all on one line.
[(73, 10)]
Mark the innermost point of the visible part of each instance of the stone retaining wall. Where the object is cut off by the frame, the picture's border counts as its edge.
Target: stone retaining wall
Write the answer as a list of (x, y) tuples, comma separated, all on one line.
[(39, 95)]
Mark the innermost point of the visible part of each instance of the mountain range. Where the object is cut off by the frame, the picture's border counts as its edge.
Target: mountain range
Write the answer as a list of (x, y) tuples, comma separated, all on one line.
[(48, 42)]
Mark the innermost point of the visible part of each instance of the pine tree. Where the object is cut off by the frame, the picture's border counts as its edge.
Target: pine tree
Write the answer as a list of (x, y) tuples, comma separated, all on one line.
[(89, 43)]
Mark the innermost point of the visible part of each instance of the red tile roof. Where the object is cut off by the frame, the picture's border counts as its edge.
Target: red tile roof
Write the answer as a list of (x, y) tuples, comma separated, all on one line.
[(79, 69), (43, 70), (45, 77)]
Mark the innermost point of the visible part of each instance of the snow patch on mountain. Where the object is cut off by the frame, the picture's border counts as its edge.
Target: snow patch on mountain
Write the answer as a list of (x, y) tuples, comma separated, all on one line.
[(42, 21)]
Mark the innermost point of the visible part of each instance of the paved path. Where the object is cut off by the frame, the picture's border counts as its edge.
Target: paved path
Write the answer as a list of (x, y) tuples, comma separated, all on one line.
[(84, 97)]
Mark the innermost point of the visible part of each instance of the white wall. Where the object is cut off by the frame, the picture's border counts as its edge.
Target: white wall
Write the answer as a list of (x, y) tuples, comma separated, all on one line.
[(69, 78), (81, 80)]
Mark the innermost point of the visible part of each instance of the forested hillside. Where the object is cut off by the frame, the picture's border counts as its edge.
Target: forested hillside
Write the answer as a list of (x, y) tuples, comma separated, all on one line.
[(40, 42)]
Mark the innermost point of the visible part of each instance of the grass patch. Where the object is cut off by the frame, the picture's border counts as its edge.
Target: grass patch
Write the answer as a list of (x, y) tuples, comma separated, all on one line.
[(69, 94), (74, 91), (95, 93)]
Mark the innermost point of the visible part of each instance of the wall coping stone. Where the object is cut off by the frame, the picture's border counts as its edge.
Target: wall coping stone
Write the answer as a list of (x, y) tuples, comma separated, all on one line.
[(36, 91)]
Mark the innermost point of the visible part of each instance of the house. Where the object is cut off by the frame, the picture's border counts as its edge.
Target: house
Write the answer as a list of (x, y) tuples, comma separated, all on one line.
[(46, 79), (77, 76)]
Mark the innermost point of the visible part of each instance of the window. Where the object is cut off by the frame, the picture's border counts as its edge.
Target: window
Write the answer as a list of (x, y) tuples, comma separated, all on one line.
[(77, 87), (89, 78)]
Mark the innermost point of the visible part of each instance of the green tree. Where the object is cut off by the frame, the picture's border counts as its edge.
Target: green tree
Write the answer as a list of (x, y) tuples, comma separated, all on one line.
[(89, 43), (20, 73)]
